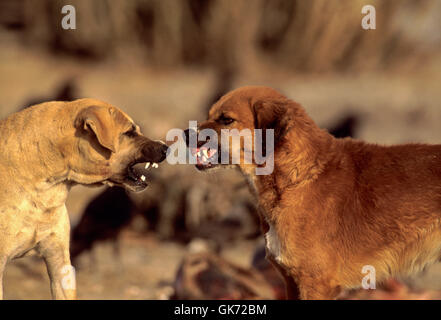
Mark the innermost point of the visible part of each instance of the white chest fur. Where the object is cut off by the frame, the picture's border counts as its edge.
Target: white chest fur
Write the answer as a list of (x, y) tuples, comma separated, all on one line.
[(273, 244)]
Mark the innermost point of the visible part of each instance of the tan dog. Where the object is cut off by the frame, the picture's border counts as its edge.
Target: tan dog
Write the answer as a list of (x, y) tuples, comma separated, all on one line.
[(45, 150), (332, 207)]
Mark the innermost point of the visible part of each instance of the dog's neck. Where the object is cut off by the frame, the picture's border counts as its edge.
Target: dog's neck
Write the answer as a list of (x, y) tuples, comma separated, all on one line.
[(299, 159), (38, 153)]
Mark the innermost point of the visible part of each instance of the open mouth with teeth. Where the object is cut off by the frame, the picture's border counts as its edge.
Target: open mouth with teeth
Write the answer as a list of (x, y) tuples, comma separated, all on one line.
[(138, 174), (206, 158)]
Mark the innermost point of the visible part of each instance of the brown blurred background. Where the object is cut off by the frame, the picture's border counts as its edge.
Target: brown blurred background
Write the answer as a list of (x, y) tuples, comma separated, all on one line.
[(165, 62)]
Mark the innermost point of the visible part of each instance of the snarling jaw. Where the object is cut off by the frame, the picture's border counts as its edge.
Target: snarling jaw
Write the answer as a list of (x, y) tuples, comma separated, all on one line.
[(206, 157), (138, 175), (112, 149), (222, 141), (134, 170)]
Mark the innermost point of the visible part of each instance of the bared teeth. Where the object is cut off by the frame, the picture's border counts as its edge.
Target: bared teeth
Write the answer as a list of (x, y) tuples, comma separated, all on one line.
[(155, 165), (147, 165), (205, 153), (198, 153)]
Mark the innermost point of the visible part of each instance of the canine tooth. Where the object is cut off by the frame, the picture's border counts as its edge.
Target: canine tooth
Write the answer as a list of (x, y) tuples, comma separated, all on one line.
[(147, 165), (155, 165), (143, 178), (198, 153), (205, 152), (204, 158)]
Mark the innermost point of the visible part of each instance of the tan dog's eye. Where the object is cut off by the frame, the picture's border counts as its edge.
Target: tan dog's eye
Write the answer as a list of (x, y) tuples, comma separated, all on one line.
[(223, 119), (131, 132)]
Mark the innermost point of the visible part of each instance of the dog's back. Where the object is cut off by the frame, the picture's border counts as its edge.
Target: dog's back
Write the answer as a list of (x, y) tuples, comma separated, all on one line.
[(387, 204)]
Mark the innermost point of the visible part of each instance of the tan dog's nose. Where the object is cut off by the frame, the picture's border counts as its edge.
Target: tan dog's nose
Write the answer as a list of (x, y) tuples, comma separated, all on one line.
[(155, 151)]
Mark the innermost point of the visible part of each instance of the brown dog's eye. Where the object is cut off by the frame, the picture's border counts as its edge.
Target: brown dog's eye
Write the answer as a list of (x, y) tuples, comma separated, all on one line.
[(225, 120)]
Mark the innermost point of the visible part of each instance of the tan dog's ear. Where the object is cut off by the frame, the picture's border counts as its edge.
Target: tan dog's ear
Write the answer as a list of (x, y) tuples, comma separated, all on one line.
[(98, 121), (272, 114)]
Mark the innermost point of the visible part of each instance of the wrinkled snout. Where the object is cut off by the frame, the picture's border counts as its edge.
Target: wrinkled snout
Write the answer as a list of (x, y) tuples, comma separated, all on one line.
[(189, 133)]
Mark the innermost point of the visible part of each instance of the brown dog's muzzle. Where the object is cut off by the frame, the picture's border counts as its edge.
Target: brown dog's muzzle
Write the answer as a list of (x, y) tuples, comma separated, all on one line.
[(206, 157)]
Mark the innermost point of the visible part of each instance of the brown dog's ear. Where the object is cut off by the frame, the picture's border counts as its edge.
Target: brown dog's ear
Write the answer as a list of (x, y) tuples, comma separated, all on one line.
[(98, 121), (272, 114)]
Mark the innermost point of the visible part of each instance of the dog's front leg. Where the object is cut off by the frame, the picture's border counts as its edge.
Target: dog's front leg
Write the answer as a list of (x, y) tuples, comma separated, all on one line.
[(55, 252), (61, 273)]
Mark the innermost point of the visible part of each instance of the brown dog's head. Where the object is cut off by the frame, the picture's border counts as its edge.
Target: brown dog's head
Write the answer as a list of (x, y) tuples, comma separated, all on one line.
[(250, 108), (108, 147)]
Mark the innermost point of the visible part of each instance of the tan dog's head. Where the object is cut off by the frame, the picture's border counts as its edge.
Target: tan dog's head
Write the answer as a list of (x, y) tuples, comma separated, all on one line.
[(250, 108), (108, 147)]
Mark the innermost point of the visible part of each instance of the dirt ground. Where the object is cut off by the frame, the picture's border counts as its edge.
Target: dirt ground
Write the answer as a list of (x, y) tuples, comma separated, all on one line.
[(160, 100), (145, 269)]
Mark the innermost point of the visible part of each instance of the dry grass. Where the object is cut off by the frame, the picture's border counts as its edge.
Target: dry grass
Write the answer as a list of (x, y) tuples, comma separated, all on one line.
[(306, 36)]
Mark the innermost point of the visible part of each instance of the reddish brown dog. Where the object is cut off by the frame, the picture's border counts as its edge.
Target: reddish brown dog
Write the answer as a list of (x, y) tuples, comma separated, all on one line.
[(332, 206)]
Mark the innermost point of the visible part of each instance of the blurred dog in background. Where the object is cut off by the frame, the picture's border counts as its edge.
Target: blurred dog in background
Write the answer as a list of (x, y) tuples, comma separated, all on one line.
[(103, 220)]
